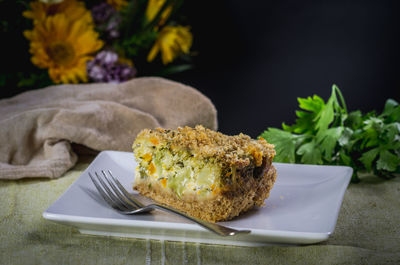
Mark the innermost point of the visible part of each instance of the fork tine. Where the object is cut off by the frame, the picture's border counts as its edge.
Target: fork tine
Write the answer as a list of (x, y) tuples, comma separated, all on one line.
[(118, 194), (115, 202), (112, 195), (125, 192), (103, 193)]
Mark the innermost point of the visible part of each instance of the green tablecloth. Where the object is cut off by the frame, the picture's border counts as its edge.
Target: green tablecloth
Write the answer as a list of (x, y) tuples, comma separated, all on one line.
[(367, 232)]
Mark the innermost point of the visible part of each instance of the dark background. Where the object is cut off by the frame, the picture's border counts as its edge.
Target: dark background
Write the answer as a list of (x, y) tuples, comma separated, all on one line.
[(256, 57)]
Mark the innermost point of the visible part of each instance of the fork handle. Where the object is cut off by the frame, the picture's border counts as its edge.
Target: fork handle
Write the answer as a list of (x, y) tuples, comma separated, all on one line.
[(213, 227)]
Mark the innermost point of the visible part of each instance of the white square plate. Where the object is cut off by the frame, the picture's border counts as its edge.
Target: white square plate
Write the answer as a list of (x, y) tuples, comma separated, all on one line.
[(302, 208)]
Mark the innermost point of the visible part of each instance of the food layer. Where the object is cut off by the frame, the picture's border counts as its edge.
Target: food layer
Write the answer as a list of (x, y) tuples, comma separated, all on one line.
[(202, 172)]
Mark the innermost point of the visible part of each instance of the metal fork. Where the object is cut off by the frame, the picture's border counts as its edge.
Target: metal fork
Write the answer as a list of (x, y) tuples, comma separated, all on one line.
[(119, 198)]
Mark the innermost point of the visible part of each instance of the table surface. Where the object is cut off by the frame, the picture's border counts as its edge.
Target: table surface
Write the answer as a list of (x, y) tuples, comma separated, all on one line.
[(367, 232)]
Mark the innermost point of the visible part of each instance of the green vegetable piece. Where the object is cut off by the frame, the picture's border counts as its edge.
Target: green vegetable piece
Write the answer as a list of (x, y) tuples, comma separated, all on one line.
[(329, 141), (387, 161), (345, 158), (314, 104), (368, 157), (326, 116), (391, 110), (285, 144), (306, 119), (345, 137), (354, 119), (310, 153)]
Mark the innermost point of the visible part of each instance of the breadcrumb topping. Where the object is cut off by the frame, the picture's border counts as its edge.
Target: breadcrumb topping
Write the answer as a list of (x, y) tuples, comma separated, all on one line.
[(238, 150)]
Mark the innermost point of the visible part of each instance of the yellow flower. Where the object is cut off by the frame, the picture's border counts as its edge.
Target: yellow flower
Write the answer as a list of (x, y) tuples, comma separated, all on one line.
[(171, 41), (117, 4), (63, 46), (153, 7), (74, 10)]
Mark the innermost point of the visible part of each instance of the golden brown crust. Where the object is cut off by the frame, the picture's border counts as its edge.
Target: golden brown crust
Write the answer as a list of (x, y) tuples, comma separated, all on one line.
[(223, 206), (238, 150)]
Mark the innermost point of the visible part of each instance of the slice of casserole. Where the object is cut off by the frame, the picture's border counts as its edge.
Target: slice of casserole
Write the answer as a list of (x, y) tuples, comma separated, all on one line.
[(204, 173)]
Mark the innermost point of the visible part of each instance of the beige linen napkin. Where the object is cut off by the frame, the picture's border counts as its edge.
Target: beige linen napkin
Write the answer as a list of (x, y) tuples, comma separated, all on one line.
[(38, 127)]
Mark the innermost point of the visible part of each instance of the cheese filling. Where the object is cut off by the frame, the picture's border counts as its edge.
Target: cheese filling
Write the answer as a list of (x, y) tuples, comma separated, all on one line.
[(178, 172)]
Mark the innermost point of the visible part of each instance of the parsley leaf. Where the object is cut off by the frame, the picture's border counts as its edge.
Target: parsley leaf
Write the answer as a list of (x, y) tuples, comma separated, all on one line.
[(285, 150), (304, 123), (325, 133), (368, 157), (326, 115), (387, 161), (310, 153), (329, 141)]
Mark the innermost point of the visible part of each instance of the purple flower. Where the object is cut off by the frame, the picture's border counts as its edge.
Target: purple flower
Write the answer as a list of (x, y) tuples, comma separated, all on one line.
[(105, 67), (107, 20), (107, 57), (112, 27), (102, 12)]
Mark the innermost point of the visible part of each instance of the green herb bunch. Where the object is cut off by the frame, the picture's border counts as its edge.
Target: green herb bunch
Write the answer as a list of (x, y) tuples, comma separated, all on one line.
[(326, 133)]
